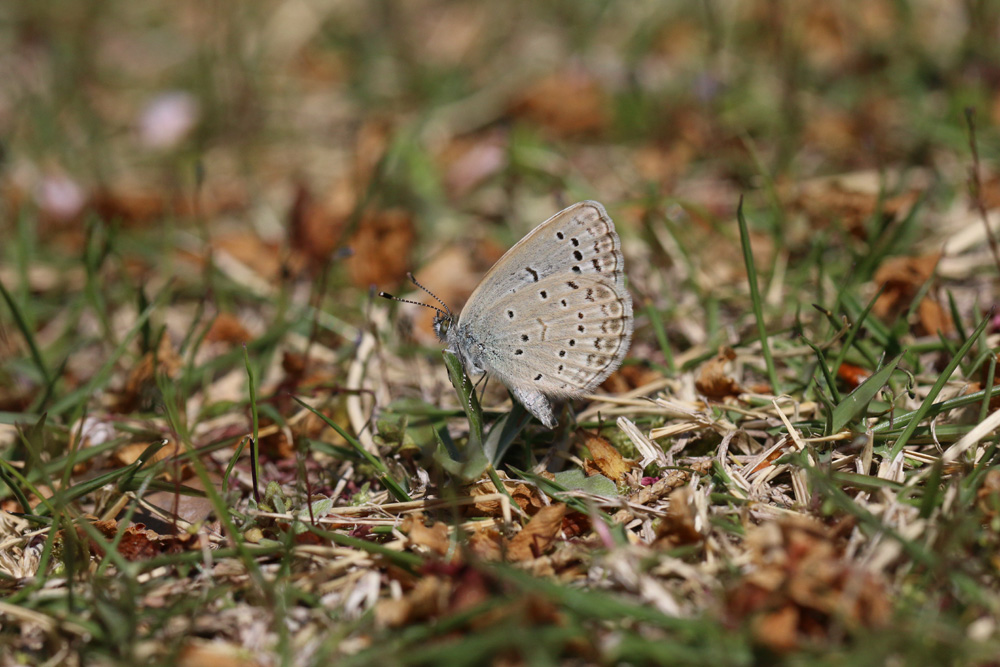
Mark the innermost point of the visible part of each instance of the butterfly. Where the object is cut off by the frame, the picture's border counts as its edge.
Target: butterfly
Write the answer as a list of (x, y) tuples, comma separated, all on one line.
[(552, 319)]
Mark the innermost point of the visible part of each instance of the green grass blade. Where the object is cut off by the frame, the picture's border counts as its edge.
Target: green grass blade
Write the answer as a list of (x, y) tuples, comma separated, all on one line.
[(29, 337), (852, 334), (755, 298), (254, 437), (856, 402), (925, 407)]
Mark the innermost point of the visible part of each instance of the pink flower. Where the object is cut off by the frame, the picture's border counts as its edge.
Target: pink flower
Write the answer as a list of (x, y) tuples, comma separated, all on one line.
[(168, 118)]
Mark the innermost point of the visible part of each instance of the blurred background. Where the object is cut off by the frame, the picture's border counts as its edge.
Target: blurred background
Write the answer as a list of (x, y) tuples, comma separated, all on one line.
[(357, 140)]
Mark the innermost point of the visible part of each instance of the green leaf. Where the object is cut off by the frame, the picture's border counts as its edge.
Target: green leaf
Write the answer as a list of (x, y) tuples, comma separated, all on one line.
[(856, 402), (575, 480), (504, 431)]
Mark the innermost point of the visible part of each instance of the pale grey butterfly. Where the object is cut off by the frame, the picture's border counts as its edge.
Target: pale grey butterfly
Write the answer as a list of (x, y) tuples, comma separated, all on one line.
[(552, 319)]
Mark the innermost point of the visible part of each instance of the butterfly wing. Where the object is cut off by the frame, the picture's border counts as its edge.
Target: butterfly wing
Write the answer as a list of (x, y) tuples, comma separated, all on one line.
[(580, 239), (552, 317)]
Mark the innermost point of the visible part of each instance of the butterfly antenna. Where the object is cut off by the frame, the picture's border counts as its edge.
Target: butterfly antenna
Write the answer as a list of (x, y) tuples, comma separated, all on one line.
[(414, 281), (386, 295)]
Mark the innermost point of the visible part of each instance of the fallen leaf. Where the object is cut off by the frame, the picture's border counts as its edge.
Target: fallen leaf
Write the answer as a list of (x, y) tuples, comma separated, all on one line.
[(539, 535), (136, 204), (629, 377), (546, 103), (826, 200), (485, 543), (140, 543), (424, 600), (434, 537), (713, 377), (901, 279), (604, 458), (528, 498), (140, 391), (215, 653), (678, 528), (576, 524), (380, 248), (990, 190), (315, 229), (778, 629), (129, 453), (933, 318), (264, 257), (226, 328)]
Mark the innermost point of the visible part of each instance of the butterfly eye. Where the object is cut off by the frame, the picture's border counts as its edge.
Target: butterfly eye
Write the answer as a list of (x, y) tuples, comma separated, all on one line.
[(442, 323)]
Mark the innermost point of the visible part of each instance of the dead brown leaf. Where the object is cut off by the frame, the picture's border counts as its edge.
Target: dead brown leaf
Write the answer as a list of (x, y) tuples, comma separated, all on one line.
[(933, 317), (380, 248), (442, 590), (138, 204), (678, 527), (193, 509), (485, 543), (427, 598), (226, 328), (434, 537), (265, 258), (604, 458), (539, 535), (139, 543), (129, 453), (201, 653), (528, 498), (901, 278), (140, 391), (713, 376), (545, 103), (317, 224), (629, 377), (314, 229)]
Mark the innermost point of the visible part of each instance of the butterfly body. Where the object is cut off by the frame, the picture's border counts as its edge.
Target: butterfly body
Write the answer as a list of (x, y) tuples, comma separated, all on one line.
[(552, 318)]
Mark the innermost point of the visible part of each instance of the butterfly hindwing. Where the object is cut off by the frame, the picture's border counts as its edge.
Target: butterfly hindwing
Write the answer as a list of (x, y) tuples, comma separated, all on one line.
[(566, 347)]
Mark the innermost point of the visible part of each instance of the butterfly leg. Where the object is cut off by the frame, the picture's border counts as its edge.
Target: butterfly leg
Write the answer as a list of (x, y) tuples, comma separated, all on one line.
[(537, 404)]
